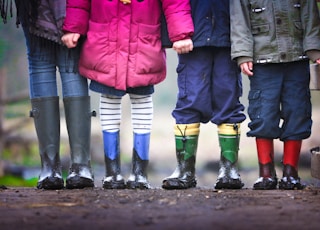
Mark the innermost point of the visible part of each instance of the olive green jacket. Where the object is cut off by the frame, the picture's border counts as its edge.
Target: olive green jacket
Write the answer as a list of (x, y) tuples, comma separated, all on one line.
[(274, 31)]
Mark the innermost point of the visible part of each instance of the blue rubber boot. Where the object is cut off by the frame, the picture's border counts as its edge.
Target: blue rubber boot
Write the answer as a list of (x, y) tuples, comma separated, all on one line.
[(140, 160), (113, 178)]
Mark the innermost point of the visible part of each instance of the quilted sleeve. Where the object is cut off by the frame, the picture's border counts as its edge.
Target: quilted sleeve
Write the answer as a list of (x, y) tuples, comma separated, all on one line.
[(178, 18), (77, 16)]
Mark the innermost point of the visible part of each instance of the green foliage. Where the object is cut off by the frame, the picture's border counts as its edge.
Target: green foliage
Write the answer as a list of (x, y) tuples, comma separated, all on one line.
[(25, 157), (28, 156), (14, 181), (2, 49)]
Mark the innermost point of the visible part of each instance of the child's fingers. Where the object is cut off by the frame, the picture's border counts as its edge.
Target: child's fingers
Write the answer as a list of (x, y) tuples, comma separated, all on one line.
[(70, 40), (183, 46)]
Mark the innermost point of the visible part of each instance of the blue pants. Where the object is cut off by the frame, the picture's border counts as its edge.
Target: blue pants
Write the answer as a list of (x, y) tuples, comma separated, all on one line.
[(44, 57), (279, 101), (209, 85)]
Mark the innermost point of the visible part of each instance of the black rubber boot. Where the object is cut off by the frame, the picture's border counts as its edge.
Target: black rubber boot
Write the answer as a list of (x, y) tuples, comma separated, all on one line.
[(78, 119), (267, 182), (45, 112), (229, 177), (290, 179), (113, 178)]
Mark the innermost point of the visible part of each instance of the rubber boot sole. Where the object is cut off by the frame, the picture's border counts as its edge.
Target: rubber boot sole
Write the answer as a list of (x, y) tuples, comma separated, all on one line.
[(51, 183), (176, 183)]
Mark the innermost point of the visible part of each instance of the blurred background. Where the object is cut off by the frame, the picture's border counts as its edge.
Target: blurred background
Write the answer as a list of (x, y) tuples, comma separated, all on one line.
[(19, 157)]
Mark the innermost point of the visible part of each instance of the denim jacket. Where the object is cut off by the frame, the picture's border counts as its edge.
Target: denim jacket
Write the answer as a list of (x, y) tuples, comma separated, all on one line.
[(273, 31)]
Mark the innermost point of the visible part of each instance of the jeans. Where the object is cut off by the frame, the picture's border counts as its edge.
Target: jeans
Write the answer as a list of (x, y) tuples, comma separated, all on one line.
[(45, 57), (279, 101)]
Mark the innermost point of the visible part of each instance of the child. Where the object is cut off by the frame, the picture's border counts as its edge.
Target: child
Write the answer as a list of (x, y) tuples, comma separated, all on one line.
[(122, 54), (209, 90), (41, 21), (270, 41)]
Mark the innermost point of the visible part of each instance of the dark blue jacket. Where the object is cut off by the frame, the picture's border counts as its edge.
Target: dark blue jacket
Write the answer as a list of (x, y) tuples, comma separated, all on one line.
[(211, 20)]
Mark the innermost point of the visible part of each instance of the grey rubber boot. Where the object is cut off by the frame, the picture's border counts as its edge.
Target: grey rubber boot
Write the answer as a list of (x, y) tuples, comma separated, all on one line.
[(78, 118), (46, 114)]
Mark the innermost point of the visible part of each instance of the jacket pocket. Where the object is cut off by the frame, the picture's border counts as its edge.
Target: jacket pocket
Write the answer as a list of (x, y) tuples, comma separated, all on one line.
[(261, 36), (150, 57), (96, 48), (260, 29)]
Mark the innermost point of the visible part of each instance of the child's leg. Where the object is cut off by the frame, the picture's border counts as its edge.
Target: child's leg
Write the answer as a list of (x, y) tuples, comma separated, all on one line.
[(186, 139), (267, 175), (142, 116), (296, 111), (110, 118), (229, 137), (290, 179)]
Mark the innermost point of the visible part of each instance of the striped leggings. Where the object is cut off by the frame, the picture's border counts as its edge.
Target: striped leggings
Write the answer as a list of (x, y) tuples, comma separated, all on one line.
[(141, 113)]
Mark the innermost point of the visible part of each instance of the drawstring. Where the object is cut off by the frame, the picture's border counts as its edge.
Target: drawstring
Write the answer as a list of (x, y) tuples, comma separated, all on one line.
[(184, 139)]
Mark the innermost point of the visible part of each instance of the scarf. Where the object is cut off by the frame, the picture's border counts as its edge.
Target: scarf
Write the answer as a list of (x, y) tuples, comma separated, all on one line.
[(43, 18), (5, 8)]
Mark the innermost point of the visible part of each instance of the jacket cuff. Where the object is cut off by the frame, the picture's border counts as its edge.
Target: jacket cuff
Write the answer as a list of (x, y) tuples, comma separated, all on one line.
[(244, 59), (313, 55)]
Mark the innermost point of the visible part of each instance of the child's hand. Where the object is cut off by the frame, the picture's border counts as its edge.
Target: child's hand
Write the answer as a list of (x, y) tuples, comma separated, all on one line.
[(246, 68), (318, 61), (183, 46), (125, 1), (70, 39)]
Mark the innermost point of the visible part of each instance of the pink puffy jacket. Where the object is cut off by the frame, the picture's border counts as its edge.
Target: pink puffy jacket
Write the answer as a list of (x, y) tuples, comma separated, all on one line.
[(122, 48)]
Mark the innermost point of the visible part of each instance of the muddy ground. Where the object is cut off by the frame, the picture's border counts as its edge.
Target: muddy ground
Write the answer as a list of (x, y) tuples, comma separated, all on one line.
[(198, 208)]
